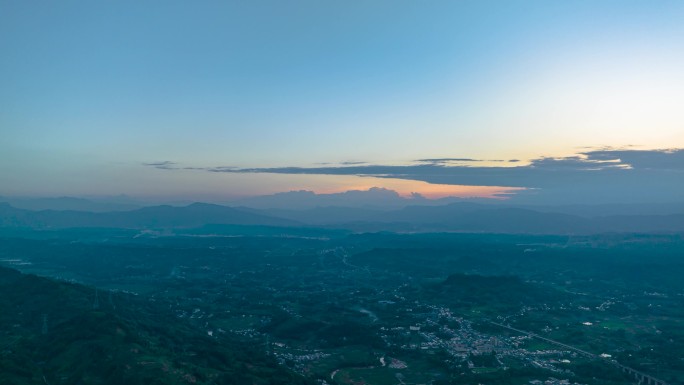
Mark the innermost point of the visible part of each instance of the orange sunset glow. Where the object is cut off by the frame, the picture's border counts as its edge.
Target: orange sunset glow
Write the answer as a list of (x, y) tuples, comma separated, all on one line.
[(406, 188)]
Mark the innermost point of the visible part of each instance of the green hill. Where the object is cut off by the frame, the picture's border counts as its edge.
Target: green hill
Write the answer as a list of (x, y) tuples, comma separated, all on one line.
[(51, 333)]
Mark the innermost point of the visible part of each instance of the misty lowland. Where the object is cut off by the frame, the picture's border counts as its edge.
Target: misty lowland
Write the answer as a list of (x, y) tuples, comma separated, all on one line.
[(213, 294), (342, 192)]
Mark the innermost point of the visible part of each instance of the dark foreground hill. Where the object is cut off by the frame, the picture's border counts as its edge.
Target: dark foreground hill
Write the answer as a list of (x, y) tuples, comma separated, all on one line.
[(58, 333)]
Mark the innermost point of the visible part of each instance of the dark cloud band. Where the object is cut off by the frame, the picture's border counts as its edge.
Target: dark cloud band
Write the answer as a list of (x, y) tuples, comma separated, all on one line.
[(594, 176)]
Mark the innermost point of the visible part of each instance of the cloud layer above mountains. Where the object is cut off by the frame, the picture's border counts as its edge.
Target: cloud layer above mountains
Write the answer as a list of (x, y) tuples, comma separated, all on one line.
[(594, 176)]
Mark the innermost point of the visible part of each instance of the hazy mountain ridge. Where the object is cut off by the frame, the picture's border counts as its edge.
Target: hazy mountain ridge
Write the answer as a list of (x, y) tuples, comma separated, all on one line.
[(121, 203), (354, 202), (460, 217), (474, 217), (375, 198), (194, 215)]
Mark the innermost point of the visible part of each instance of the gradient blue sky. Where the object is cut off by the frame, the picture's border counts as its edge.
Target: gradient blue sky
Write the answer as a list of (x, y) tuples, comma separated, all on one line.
[(89, 91)]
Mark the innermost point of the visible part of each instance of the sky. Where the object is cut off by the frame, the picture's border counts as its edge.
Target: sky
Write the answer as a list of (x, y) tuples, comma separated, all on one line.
[(555, 101)]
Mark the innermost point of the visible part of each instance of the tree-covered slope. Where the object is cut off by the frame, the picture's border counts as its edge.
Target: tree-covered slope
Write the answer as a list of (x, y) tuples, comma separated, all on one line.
[(58, 333)]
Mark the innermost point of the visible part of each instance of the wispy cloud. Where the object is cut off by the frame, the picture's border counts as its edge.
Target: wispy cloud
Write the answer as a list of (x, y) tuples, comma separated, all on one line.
[(456, 161), (440, 160), (163, 165)]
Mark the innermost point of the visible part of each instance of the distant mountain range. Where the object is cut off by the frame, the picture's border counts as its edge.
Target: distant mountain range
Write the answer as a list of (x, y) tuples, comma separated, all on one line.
[(474, 217), (194, 215), (358, 202), (457, 217), (373, 198), (119, 203)]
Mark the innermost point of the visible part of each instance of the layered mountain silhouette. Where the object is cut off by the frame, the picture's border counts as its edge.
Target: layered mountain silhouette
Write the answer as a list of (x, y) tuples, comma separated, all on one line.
[(194, 215), (459, 217), (119, 203), (375, 198)]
